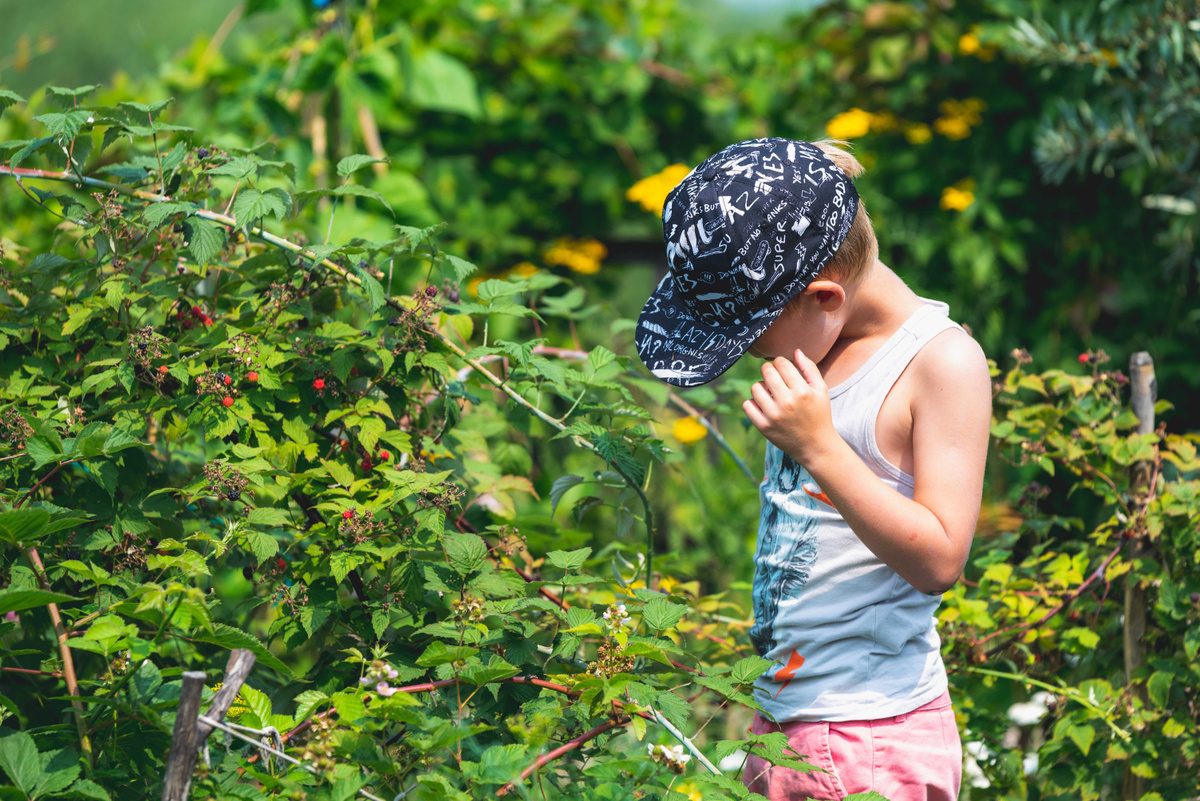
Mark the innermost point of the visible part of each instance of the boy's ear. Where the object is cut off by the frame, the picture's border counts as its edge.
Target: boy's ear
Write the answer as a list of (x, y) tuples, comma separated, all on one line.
[(829, 295)]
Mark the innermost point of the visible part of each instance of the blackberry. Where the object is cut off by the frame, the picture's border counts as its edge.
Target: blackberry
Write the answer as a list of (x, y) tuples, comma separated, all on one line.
[(233, 494), (430, 291), (202, 153), (362, 264), (248, 572), (453, 296), (393, 321), (1195, 597)]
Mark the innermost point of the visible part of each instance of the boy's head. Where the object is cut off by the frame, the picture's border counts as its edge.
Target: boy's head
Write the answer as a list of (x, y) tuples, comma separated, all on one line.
[(746, 232)]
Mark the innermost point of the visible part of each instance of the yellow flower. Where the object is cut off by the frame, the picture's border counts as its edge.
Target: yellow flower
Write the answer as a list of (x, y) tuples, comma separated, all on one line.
[(952, 127), (1107, 56), (525, 269), (690, 790), (688, 430), (968, 43), (849, 124), (959, 196), (652, 191), (578, 255), (239, 704), (918, 133), (473, 285)]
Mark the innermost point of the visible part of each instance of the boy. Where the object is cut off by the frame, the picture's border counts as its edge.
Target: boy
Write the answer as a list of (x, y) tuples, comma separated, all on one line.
[(877, 409)]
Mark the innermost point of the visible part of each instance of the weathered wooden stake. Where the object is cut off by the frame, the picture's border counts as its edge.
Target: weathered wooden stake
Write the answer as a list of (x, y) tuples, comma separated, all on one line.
[(189, 734), (1144, 393), (182, 758)]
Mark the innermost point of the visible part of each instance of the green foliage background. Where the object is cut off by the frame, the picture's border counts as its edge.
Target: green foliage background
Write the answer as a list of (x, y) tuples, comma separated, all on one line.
[(521, 125)]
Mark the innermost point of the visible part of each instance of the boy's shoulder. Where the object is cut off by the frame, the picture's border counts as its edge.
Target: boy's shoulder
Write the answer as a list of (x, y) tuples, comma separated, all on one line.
[(950, 370)]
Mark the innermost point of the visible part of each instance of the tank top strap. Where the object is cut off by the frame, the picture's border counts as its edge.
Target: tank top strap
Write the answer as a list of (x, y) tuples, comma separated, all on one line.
[(867, 395)]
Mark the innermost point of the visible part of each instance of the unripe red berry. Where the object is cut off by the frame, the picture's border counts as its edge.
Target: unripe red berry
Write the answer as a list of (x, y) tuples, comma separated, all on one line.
[(227, 401), (199, 312), (366, 463), (348, 514), (344, 444), (319, 383), (253, 376), (353, 371), (162, 370), (281, 563), (384, 456), (430, 291), (228, 379), (1084, 358)]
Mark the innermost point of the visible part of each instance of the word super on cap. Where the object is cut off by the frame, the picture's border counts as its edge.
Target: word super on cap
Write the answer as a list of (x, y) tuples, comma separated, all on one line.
[(746, 231)]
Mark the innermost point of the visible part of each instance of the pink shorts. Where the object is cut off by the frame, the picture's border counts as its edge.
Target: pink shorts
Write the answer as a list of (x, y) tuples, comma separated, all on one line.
[(912, 757)]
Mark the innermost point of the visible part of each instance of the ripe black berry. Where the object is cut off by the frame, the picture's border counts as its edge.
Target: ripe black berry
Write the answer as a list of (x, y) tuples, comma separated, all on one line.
[(393, 321), (202, 153), (1195, 597), (233, 494), (454, 296), (430, 291), (362, 264), (248, 572)]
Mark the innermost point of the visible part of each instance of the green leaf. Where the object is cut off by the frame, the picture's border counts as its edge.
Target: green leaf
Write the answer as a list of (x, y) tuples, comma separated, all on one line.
[(16, 600), (268, 516), (1082, 736), (260, 543), (258, 702), (86, 788), (465, 552), (439, 653), (204, 240), (307, 701), (19, 759), (462, 268), (443, 83), (342, 562), (349, 706), (560, 487), (659, 614), (375, 294), (747, 670), (362, 191), (1159, 688), (569, 560), (23, 525), (251, 205), (66, 124), (8, 98), (231, 638), (156, 213), (355, 162)]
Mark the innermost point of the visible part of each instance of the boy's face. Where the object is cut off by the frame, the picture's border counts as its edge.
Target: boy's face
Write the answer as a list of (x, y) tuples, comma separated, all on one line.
[(811, 323)]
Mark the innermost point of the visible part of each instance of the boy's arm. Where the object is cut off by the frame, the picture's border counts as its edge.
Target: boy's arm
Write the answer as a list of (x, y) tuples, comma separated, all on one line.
[(926, 539)]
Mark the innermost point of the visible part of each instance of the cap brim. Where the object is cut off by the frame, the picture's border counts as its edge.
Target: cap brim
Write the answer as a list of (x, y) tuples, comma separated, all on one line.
[(687, 352)]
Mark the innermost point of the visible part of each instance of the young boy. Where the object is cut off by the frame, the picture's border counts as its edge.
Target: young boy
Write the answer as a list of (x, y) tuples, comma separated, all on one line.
[(876, 408)]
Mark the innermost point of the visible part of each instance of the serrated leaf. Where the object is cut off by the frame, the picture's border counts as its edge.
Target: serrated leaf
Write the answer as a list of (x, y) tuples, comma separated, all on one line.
[(462, 269), (268, 516), (8, 98), (659, 614), (19, 759), (362, 191), (17, 600), (438, 653), (1082, 736), (261, 544), (357, 161), (349, 706), (204, 240), (465, 552), (231, 638), (258, 702), (569, 560), (23, 525), (86, 788), (747, 670), (306, 702), (156, 213), (251, 205)]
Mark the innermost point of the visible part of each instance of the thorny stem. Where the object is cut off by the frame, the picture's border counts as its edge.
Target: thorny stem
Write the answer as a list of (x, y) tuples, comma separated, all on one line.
[(565, 748)]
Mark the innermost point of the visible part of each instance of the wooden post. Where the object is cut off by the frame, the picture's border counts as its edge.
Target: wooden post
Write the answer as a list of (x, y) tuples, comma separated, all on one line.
[(241, 662), (1144, 393), (189, 734), (182, 758)]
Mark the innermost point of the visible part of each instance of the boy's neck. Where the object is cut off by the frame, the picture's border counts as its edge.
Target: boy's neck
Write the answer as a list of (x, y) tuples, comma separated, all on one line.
[(877, 304)]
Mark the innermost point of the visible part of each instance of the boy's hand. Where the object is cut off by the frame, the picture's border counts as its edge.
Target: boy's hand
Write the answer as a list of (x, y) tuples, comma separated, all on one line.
[(790, 406)]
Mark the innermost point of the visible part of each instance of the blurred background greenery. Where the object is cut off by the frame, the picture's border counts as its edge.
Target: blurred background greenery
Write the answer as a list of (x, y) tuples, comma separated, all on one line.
[(1030, 162)]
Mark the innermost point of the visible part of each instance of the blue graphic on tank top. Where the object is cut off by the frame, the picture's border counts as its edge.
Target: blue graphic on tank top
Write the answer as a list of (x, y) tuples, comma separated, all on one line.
[(787, 542)]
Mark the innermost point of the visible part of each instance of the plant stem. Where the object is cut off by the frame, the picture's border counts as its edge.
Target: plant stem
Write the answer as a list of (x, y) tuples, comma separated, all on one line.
[(565, 748)]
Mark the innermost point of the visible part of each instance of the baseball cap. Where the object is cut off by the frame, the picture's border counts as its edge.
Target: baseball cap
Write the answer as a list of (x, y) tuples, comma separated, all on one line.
[(746, 231)]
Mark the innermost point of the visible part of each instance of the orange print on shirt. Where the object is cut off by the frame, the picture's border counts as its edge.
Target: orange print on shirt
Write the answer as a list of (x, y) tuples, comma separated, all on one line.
[(820, 496), (794, 663)]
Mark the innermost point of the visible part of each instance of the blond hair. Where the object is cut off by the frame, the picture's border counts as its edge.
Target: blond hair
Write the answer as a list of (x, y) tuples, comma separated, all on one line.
[(860, 248)]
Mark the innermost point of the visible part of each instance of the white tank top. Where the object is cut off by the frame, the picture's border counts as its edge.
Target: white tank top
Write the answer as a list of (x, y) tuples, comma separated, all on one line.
[(854, 640)]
